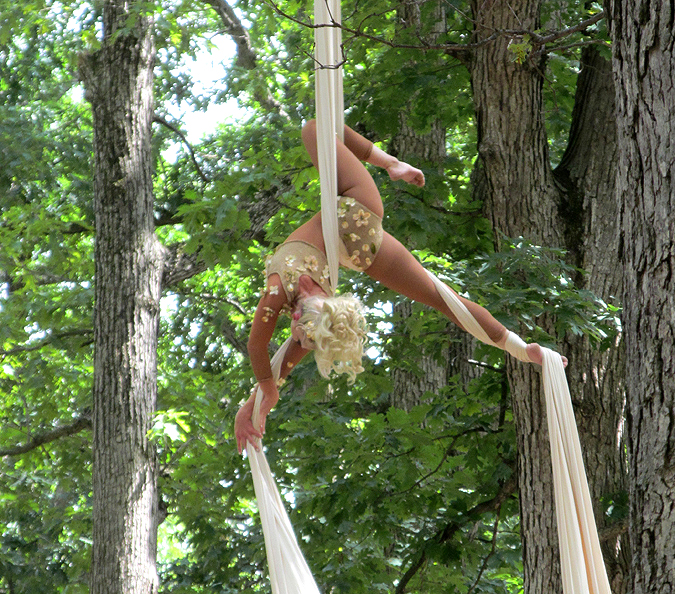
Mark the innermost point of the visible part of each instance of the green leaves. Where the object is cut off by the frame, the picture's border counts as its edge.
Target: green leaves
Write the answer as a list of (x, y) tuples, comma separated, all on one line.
[(371, 489), (528, 282), (520, 48)]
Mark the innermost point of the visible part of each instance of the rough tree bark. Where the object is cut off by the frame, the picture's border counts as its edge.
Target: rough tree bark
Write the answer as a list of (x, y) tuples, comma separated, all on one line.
[(409, 387), (586, 177), (523, 196), (516, 183), (644, 73), (126, 312)]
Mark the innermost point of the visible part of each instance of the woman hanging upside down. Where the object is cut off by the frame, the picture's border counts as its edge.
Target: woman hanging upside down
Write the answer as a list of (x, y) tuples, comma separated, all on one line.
[(297, 281)]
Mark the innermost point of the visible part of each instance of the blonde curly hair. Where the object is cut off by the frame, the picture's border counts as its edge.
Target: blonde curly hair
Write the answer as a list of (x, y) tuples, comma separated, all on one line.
[(338, 329)]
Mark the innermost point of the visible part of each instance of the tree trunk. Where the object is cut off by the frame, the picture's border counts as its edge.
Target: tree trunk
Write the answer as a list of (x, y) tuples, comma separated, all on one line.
[(516, 184), (126, 312), (409, 386), (644, 72), (589, 209), (573, 209)]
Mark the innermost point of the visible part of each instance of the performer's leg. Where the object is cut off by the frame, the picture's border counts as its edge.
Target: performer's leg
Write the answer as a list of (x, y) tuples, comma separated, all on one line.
[(353, 178), (397, 269)]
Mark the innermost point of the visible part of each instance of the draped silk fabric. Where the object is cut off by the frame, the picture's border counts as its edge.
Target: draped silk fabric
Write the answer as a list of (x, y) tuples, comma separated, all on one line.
[(582, 566), (581, 563), (289, 573), (329, 120)]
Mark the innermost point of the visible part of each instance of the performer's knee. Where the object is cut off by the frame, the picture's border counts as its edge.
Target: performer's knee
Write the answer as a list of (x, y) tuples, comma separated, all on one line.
[(309, 132)]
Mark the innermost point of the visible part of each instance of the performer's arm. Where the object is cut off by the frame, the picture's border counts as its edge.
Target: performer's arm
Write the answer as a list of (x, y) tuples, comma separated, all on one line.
[(368, 152), (243, 426), (294, 355), (262, 329)]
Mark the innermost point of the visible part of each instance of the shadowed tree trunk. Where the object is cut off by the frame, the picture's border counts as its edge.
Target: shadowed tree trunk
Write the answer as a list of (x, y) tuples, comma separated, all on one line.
[(644, 71), (516, 184), (572, 208), (126, 312), (586, 176), (432, 373)]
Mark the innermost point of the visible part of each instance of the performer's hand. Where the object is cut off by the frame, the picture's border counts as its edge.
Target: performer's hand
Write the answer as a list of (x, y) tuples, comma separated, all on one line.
[(402, 171), (244, 430), (243, 427), (269, 401), (535, 354)]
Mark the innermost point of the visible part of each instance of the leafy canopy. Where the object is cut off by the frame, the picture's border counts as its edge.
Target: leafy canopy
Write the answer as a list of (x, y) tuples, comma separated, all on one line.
[(372, 489)]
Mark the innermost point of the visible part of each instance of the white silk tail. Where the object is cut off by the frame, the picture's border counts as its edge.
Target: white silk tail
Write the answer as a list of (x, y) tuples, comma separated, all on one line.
[(582, 566), (289, 572), (329, 121)]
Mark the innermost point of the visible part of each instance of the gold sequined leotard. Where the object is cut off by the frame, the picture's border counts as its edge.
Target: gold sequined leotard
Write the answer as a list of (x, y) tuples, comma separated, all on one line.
[(360, 232)]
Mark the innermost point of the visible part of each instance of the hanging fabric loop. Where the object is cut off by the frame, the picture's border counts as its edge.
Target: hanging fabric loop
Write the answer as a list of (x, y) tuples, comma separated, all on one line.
[(289, 572), (329, 120)]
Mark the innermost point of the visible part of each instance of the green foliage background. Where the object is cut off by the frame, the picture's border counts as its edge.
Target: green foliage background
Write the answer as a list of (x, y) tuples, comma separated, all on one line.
[(371, 489)]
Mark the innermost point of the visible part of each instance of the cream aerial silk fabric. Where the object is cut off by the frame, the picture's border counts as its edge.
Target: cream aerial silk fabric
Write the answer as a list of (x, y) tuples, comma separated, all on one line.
[(582, 566), (583, 569), (329, 120), (289, 573)]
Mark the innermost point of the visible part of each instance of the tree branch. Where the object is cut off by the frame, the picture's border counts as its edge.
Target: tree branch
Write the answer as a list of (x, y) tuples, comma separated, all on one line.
[(613, 531), (495, 528), (458, 50), (36, 347), (582, 26), (179, 265), (75, 228), (228, 329), (161, 120), (41, 277), (569, 46), (446, 533), (82, 423), (234, 338), (246, 57), (501, 369), (449, 48)]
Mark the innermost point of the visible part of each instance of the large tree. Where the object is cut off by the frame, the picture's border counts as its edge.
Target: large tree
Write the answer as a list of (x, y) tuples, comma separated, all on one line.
[(119, 83), (572, 207), (644, 73)]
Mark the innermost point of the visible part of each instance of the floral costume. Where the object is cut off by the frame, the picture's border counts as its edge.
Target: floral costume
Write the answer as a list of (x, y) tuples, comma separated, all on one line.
[(360, 232), (294, 258)]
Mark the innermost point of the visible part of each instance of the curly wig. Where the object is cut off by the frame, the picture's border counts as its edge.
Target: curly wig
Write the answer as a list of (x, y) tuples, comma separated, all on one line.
[(338, 329)]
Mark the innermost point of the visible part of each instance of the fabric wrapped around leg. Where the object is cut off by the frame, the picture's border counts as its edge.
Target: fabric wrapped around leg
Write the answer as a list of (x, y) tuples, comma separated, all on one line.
[(516, 347)]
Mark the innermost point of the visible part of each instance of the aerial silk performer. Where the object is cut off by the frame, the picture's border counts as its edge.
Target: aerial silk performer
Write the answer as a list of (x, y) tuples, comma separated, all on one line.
[(301, 282)]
